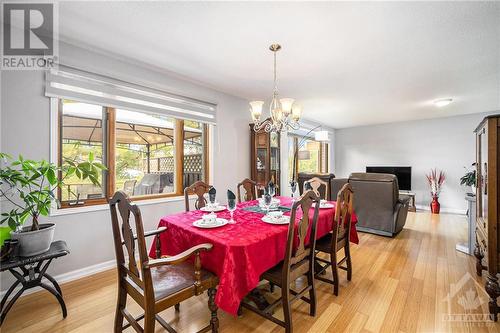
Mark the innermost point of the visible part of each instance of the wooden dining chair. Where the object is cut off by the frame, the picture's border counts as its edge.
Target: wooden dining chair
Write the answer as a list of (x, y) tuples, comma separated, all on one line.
[(250, 188), (338, 239), (155, 284), (199, 188), (319, 187), (298, 261)]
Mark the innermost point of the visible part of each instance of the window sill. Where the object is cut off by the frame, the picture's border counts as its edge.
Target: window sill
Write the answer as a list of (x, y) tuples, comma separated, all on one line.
[(96, 208)]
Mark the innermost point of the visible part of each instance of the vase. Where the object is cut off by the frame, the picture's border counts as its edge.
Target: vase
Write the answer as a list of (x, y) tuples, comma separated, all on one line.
[(435, 206)]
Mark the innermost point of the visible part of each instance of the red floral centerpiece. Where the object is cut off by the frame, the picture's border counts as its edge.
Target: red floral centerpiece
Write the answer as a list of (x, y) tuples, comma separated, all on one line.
[(435, 181)]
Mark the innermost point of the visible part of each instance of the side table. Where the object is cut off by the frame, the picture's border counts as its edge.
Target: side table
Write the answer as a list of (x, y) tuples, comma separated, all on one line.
[(411, 196), (29, 272), (468, 247)]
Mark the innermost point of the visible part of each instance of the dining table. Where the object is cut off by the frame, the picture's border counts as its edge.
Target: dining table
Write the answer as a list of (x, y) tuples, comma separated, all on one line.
[(242, 251)]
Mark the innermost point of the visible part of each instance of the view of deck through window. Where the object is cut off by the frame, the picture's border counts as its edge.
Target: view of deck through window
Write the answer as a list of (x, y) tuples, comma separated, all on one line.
[(139, 149)]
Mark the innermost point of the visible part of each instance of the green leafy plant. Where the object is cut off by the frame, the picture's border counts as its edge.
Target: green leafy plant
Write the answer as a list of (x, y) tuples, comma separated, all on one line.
[(469, 179), (30, 185)]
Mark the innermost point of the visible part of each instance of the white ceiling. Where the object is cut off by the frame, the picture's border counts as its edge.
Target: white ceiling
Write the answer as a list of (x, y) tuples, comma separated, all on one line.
[(349, 64)]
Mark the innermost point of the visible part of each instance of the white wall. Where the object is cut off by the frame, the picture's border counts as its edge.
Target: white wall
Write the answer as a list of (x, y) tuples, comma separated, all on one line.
[(446, 143), (25, 130)]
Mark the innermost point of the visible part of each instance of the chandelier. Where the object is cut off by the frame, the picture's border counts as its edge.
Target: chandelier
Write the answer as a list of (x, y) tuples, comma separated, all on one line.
[(284, 113)]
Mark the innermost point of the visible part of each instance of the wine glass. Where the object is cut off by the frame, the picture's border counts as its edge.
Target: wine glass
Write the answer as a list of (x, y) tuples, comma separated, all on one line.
[(272, 190), (293, 188), (231, 207), (267, 202)]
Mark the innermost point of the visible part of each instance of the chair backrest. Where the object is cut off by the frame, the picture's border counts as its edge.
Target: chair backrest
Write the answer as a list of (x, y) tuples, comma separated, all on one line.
[(343, 216), (250, 188), (298, 251), (376, 199), (123, 235), (199, 188), (319, 187)]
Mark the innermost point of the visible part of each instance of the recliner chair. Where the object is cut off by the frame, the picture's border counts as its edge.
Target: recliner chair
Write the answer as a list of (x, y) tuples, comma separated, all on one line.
[(377, 205)]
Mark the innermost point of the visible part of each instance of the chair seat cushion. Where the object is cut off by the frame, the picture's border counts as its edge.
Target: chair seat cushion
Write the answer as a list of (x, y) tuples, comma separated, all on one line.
[(169, 279), (274, 274)]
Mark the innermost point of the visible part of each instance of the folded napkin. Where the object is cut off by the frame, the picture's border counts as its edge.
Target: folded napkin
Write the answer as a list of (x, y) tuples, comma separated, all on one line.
[(271, 186), (211, 194), (230, 195), (307, 186)]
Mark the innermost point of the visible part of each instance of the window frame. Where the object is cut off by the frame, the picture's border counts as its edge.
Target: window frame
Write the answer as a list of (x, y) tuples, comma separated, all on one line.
[(323, 154), (109, 176)]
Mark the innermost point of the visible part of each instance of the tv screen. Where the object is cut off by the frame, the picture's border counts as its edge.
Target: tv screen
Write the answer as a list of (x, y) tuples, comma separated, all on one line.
[(402, 173)]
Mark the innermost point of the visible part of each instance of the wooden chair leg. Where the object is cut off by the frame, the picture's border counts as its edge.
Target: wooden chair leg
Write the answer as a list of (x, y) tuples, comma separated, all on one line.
[(312, 294), (120, 305), (149, 322), (287, 314), (347, 250), (335, 273), (177, 307), (214, 321)]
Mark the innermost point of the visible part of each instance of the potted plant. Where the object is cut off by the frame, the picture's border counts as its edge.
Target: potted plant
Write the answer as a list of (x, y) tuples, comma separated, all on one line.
[(435, 181), (29, 187), (469, 179)]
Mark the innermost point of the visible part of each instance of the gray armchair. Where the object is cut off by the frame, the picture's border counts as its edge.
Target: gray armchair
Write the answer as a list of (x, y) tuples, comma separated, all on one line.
[(377, 204)]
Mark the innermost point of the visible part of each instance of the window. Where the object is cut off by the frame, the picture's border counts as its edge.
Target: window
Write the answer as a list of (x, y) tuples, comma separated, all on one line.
[(312, 156), (82, 132), (147, 155)]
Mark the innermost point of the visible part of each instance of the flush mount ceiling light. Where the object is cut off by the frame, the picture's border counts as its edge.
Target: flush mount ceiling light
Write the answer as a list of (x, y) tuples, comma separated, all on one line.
[(442, 102)]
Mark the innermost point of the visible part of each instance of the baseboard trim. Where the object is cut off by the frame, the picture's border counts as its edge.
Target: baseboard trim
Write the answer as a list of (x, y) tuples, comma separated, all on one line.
[(71, 276), (444, 210)]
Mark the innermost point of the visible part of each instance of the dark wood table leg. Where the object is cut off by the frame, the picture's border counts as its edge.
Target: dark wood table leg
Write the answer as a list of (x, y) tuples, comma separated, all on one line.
[(257, 296), (7, 294), (10, 304), (54, 282), (30, 277), (57, 295)]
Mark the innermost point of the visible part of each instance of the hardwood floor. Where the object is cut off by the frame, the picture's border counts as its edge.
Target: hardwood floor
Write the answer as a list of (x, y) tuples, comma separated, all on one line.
[(398, 285)]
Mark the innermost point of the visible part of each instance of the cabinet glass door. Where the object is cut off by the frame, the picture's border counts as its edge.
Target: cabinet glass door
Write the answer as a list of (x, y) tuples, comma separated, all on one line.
[(482, 169)]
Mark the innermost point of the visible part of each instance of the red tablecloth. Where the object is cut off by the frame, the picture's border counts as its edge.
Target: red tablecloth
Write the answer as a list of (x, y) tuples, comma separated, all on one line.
[(241, 252)]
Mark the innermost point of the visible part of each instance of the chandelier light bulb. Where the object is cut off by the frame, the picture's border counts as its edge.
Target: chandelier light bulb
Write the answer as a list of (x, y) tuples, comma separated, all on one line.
[(286, 105), (256, 109), (296, 111)]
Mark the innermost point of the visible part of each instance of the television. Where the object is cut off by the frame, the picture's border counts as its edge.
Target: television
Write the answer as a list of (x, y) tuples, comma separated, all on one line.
[(402, 173)]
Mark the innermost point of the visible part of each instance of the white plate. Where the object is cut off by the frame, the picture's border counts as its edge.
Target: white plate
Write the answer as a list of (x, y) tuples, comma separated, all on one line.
[(213, 209), (325, 206), (283, 220), (220, 222)]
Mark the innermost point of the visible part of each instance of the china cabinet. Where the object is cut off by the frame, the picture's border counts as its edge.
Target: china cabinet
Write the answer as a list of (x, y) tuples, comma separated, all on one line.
[(265, 157), (487, 250)]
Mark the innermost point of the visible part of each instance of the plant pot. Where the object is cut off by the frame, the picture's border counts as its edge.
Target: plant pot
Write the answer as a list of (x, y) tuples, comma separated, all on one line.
[(34, 242), (435, 206)]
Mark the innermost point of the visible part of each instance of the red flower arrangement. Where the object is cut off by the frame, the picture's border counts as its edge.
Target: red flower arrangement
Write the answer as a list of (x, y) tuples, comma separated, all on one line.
[(435, 181)]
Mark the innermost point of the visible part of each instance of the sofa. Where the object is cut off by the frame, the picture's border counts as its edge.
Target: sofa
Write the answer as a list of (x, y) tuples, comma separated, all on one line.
[(377, 204)]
